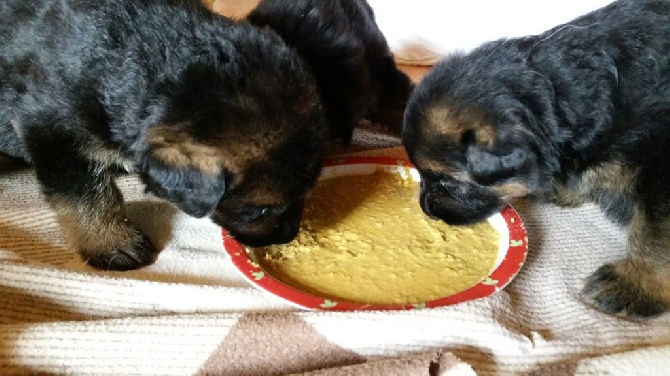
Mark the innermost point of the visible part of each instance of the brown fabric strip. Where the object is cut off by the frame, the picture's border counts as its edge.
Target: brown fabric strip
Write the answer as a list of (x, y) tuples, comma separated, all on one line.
[(425, 364), (263, 344)]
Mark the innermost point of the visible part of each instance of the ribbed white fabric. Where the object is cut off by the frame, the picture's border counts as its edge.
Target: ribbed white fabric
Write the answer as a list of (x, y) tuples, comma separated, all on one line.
[(58, 315)]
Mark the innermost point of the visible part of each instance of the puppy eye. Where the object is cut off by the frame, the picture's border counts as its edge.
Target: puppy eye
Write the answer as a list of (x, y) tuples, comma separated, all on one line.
[(446, 184), (250, 214), (452, 188)]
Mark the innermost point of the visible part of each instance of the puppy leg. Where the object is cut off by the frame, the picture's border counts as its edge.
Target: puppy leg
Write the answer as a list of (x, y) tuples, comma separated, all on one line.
[(639, 286), (96, 226), (88, 205)]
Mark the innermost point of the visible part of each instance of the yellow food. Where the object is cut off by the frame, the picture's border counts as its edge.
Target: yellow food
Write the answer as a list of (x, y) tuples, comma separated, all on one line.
[(364, 239)]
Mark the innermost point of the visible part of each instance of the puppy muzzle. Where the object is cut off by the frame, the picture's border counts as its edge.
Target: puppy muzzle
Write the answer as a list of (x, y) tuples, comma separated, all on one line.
[(458, 205), (282, 234)]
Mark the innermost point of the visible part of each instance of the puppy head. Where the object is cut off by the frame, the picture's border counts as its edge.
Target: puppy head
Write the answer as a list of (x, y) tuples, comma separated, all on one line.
[(476, 141), (240, 140)]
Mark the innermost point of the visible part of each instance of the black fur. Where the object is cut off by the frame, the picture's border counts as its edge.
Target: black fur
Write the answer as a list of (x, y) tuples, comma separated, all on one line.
[(219, 117), (580, 112), (350, 58)]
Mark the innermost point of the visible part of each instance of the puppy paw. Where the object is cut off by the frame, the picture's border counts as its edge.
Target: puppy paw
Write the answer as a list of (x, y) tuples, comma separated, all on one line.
[(132, 253), (626, 291)]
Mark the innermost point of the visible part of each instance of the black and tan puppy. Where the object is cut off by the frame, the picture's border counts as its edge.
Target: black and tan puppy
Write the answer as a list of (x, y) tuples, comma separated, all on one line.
[(579, 113), (220, 118), (349, 56)]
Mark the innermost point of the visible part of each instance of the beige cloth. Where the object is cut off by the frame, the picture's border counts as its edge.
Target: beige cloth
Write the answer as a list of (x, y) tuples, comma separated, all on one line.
[(191, 313)]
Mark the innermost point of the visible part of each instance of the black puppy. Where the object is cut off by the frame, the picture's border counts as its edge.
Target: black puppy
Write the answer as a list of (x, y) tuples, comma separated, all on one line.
[(220, 118), (349, 56), (579, 113)]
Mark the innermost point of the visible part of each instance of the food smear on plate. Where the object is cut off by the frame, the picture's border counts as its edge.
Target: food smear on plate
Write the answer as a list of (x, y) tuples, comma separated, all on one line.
[(364, 239)]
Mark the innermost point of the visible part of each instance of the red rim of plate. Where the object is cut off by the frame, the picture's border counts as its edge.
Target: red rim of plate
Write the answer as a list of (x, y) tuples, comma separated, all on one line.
[(497, 280)]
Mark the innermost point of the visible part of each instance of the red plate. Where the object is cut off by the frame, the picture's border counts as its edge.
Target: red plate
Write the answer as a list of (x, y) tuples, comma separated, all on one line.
[(511, 255)]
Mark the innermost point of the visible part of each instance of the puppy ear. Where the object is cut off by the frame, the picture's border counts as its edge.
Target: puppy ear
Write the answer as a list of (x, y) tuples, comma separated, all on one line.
[(488, 167), (186, 173)]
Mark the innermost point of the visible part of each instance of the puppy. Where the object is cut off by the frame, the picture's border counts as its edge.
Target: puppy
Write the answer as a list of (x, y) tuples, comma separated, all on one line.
[(579, 113), (221, 119), (350, 58)]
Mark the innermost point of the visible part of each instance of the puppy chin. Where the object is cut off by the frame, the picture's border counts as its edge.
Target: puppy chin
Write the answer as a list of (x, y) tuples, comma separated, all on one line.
[(281, 235), (456, 213), (275, 231)]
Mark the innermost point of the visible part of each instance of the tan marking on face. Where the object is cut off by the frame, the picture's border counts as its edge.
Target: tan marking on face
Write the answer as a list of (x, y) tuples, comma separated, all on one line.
[(234, 151), (442, 169), (206, 159), (445, 121), (512, 190), (173, 146), (486, 135), (461, 176), (265, 198)]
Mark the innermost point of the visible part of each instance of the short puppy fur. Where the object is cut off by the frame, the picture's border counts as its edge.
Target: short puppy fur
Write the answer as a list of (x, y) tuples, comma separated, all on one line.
[(220, 118), (579, 113), (349, 56)]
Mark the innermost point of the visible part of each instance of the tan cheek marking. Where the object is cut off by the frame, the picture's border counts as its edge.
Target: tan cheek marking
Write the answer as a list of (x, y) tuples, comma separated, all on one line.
[(173, 145), (201, 158), (486, 135), (444, 121), (510, 191), (266, 198), (461, 176), (171, 157), (176, 148), (442, 169)]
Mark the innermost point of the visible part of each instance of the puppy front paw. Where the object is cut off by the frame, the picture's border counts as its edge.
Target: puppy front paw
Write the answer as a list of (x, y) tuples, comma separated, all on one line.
[(626, 291), (127, 253)]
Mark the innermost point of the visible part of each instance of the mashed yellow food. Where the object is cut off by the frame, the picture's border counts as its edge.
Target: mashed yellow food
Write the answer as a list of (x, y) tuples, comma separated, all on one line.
[(364, 239)]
